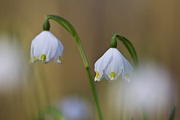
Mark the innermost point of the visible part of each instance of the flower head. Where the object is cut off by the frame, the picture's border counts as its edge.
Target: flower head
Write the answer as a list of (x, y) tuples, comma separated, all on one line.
[(46, 46), (111, 65)]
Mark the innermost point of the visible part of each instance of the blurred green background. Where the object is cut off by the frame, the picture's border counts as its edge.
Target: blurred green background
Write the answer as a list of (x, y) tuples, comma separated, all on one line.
[(151, 25)]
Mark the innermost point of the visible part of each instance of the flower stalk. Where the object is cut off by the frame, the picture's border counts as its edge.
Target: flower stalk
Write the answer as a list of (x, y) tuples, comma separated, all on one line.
[(73, 32), (128, 45)]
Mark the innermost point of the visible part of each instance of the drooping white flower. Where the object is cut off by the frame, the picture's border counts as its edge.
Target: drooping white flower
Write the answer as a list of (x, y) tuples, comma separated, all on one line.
[(46, 46), (112, 65)]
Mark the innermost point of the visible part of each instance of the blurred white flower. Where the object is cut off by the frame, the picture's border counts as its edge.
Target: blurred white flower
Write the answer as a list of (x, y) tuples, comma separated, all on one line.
[(111, 65), (75, 108), (46, 46), (10, 63), (151, 89)]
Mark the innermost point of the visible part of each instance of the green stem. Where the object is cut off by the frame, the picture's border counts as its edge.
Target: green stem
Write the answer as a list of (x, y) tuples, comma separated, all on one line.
[(129, 47), (73, 32)]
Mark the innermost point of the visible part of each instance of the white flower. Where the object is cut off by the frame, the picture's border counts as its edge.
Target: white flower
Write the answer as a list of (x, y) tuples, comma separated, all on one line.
[(46, 46), (11, 63), (111, 65)]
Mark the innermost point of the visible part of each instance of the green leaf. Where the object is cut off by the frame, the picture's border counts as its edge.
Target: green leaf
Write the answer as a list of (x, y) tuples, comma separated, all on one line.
[(172, 115)]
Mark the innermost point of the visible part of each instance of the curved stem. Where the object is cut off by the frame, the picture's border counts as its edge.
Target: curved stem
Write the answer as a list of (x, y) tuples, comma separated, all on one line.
[(129, 47), (73, 32)]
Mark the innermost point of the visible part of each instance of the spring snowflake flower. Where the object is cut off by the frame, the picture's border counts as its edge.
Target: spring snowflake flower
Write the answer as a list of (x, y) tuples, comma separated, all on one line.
[(112, 65), (46, 46)]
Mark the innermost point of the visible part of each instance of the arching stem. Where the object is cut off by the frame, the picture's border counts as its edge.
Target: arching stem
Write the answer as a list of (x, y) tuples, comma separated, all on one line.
[(73, 32)]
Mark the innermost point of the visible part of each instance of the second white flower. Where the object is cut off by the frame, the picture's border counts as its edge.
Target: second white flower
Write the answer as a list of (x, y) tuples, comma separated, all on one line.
[(112, 65)]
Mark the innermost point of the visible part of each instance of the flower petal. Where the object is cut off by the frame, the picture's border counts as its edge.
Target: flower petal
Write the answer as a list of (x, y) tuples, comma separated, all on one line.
[(45, 43), (32, 53), (115, 66), (58, 54), (50, 46), (111, 65), (101, 64), (127, 71)]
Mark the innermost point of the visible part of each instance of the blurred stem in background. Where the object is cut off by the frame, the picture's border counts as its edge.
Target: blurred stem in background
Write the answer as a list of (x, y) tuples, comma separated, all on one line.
[(44, 81), (35, 92), (72, 31)]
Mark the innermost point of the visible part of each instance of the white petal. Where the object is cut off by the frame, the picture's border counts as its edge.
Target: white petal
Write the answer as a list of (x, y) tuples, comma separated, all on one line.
[(101, 64), (45, 43), (115, 66), (32, 53), (52, 45), (127, 71), (58, 53)]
